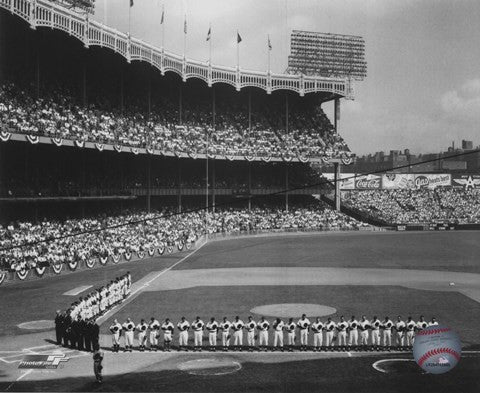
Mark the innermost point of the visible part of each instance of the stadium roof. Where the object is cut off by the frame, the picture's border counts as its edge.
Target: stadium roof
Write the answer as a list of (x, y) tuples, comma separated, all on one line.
[(92, 33)]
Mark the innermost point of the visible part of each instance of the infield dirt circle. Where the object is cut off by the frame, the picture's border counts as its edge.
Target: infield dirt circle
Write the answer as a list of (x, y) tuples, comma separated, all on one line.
[(293, 310)]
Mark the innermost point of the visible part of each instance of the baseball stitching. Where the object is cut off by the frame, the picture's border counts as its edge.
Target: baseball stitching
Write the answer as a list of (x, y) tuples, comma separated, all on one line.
[(438, 351), (432, 331)]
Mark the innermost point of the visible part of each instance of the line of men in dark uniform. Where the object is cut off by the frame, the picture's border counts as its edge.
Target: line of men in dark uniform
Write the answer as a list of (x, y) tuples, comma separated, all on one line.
[(77, 334), (77, 327)]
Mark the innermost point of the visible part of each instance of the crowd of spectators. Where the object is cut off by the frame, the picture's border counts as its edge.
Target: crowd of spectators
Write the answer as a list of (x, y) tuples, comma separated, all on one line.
[(53, 242), (57, 115), (451, 205)]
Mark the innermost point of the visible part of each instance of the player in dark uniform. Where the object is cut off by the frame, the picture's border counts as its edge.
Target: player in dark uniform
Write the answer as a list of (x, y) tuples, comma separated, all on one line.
[(97, 364), (59, 327)]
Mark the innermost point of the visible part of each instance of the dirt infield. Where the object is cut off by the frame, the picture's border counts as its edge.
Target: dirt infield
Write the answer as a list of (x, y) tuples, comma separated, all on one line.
[(423, 279)]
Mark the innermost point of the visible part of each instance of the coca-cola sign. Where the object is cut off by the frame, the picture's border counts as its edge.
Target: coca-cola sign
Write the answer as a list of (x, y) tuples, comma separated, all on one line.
[(370, 182)]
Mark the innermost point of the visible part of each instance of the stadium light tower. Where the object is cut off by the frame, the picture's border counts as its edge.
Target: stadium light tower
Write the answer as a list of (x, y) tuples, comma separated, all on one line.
[(328, 55), (332, 56)]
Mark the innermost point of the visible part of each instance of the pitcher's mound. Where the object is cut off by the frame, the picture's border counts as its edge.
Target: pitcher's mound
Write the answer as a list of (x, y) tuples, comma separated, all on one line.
[(293, 310), (210, 366), (41, 324)]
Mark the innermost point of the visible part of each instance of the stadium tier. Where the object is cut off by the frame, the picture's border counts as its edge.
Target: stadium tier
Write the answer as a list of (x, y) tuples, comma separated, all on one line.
[(63, 93)]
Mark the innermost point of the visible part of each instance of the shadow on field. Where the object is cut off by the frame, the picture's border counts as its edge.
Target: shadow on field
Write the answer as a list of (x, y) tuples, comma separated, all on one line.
[(332, 375)]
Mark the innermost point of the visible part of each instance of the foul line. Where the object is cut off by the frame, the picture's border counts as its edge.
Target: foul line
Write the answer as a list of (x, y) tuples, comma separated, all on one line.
[(111, 312), (19, 378)]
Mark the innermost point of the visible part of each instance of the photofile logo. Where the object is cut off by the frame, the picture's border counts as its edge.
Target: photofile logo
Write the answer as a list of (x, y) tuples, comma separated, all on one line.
[(42, 361)]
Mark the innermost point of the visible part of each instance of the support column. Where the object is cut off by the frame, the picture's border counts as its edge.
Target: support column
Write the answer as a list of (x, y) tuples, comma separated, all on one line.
[(179, 185), (286, 113), (249, 186), (149, 92), (336, 114), (122, 88), (214, 110), (337, 186), (286, 187), (213, 186), (37, 67), (180, 104), (84, 80), (249, 113), (3, 62), (149, 182)]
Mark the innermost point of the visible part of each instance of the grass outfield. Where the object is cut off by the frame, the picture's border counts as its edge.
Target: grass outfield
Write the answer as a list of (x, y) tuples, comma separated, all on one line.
[(451, 308), (354, 374), (451, 251)]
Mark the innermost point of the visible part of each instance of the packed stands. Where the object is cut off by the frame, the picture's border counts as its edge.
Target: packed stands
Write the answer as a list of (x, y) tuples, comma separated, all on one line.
[(56, 114), (452, 205), (145, 231)]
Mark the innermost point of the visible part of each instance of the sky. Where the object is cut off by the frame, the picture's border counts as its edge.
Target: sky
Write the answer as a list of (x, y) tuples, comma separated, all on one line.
[(422, 90)]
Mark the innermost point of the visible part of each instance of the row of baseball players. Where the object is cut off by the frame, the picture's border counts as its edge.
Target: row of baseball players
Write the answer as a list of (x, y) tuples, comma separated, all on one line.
[(347, 333), (99, 301)]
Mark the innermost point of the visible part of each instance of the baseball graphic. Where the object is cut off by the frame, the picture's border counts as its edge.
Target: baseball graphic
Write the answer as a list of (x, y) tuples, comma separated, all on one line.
[(437, 349)]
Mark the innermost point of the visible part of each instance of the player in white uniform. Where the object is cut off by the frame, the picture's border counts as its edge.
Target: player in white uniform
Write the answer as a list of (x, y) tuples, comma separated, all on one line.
[(317, 328), (263, 325), (376, 324), (212, 328), (330, 331), (116, 330), (410, 331), (353, 332), (400, 332), (387, 325), (167, 328), (225, 326), (183, 326), (237, 327), (129, 328), (250, 326), (421, 324), (433, 322), (290, 328), (154, 327), (278, 327), (364, 325), (342, 333), (198, 326), (304, 325), (142, 334)]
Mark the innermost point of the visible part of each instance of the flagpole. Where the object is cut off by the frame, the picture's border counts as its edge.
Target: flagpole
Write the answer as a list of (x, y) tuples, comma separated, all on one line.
[(269, 50), (105, 19), (210, 45), (129, 16), (238, 51), (163, 26), (185, 36)]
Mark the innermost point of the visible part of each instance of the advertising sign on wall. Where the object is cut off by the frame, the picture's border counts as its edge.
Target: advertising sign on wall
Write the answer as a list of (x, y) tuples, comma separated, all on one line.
[(467, 181), (348, 182), (395, 181), (368, 182), (433, 180)]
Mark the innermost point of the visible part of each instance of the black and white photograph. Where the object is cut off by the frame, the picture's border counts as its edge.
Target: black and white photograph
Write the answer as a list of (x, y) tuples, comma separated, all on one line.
[(240, 196)]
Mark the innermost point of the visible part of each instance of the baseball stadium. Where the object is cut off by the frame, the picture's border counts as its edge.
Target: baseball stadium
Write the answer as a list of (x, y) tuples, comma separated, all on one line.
[(167, 224)]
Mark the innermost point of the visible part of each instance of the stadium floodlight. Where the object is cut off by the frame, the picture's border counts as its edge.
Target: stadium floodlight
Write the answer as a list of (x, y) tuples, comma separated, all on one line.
[(77, 5), (327, 55)]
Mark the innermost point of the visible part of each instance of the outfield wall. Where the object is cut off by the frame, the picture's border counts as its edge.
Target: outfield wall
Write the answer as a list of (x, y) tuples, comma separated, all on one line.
[(405, 181)]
